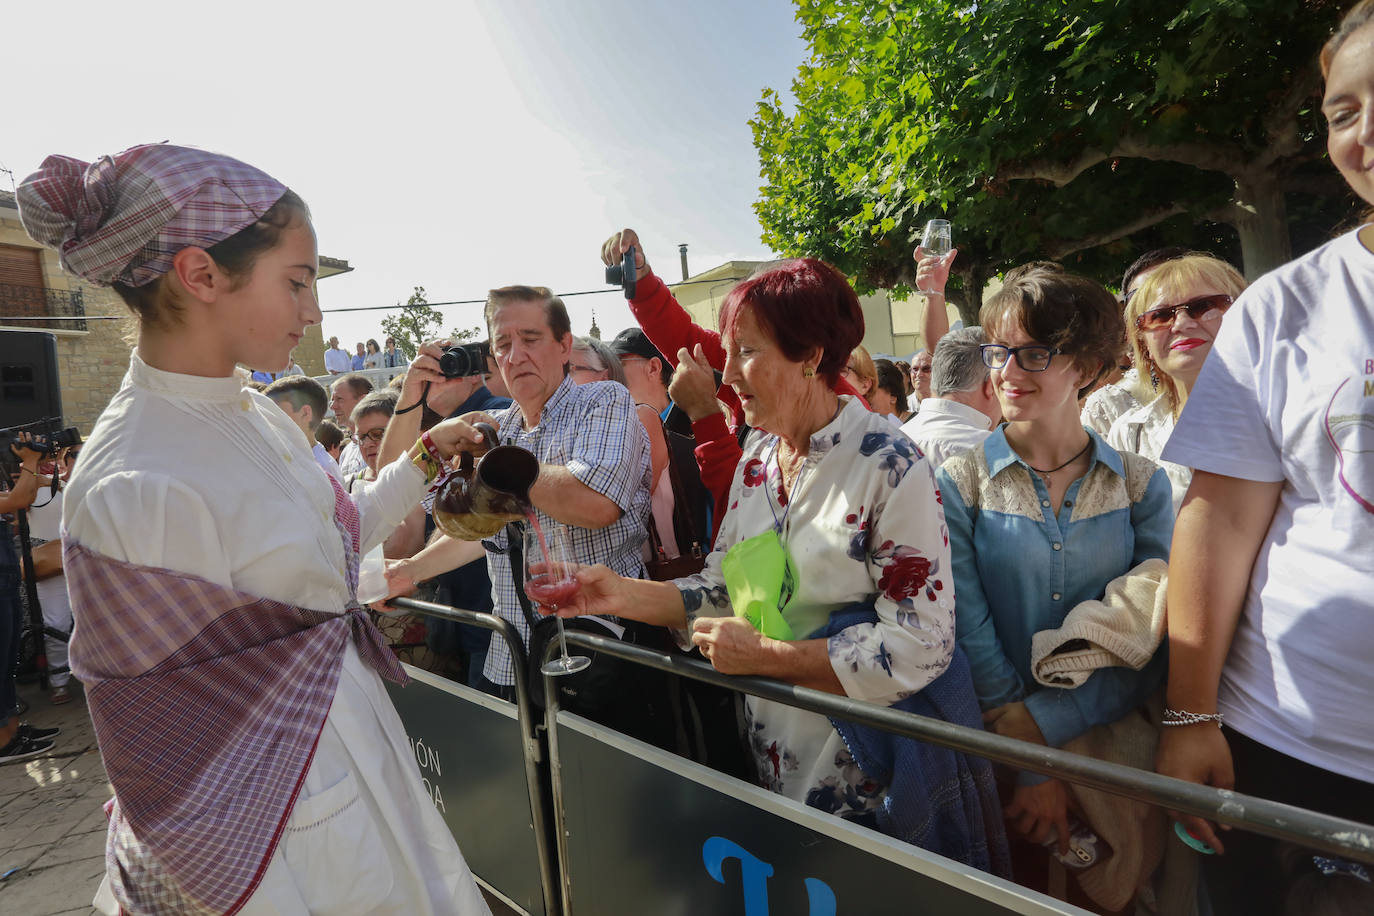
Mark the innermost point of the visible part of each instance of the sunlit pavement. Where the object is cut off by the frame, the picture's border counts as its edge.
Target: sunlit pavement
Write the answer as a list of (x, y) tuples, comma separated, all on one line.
[(52, 828)]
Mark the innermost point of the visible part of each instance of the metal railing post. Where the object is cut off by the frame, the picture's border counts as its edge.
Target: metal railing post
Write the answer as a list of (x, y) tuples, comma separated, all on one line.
[(556, 780)]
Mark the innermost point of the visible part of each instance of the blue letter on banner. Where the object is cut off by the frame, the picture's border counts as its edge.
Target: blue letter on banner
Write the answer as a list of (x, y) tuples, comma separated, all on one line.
[(754, 872)]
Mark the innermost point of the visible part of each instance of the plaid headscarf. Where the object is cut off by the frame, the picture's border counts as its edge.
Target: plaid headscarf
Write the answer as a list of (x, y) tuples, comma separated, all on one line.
[(122, 218)]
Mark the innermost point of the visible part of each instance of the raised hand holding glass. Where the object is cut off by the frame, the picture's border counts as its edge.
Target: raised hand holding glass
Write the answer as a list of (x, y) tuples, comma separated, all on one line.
[(936, 242)]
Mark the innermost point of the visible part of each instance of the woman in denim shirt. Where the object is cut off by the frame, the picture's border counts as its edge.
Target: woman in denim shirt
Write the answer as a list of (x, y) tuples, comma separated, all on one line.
[(1041, 517)]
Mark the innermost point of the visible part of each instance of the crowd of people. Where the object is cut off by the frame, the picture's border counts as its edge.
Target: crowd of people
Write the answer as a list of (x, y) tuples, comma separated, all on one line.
[(1125, 526), (365, 356)]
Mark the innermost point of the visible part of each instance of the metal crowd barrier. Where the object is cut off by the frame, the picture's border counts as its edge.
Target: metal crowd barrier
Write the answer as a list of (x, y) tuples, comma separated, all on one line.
[(1321, 832), (591, 808)]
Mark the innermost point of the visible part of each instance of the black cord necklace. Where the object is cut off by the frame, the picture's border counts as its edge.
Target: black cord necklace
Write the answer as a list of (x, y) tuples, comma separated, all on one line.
[(1045, 475)]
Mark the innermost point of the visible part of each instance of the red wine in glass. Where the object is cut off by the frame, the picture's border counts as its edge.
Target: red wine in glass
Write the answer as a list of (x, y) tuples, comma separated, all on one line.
[(551, 592), (551, 580)]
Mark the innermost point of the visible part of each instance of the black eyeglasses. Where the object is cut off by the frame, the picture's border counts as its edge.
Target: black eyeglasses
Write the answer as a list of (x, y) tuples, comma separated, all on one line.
[(375, 435), (1032, 357), (1202, 308)]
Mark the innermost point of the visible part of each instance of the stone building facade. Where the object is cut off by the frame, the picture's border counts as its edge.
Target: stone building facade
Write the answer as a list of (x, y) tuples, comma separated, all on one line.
[(92, 354)]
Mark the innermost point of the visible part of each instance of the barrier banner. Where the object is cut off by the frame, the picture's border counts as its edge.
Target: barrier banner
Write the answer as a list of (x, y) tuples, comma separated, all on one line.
[(650, 832), (468, 747)]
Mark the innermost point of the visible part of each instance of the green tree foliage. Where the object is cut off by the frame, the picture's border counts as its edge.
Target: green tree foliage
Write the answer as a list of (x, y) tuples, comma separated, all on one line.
[(419, 321), (1077, 130)]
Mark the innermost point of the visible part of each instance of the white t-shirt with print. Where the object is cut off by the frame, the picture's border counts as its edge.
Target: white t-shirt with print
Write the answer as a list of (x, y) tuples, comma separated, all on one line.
[(1287, 393)]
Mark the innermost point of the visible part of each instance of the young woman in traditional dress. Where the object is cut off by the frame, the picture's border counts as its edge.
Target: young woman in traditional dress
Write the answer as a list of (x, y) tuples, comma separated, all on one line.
[(257, 762)]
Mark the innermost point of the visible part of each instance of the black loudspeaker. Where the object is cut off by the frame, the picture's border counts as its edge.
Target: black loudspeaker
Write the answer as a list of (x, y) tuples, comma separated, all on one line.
[(29, 389)]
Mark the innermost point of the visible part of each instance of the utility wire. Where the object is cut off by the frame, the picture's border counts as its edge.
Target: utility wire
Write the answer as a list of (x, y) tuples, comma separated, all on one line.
[(368, 308)]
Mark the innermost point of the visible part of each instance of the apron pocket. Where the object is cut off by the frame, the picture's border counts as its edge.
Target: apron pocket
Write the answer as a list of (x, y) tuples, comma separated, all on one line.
[(334, 853)]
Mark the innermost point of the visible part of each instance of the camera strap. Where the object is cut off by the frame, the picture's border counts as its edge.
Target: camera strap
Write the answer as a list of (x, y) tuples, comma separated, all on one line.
[(424, 395), (515, 549)]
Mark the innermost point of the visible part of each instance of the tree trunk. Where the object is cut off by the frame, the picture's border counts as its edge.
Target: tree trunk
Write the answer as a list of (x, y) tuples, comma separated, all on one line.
[(973, 276), (1260, 217)]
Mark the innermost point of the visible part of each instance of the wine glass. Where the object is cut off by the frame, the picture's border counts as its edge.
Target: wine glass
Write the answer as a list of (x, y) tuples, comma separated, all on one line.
[(936, 243), (551, 580)]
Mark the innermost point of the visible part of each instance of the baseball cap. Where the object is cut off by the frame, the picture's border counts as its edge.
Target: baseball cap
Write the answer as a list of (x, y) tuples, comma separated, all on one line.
[(634, 342)]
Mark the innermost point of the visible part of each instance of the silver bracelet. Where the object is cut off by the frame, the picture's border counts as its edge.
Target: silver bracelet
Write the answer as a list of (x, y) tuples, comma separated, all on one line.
[(1183, 717)]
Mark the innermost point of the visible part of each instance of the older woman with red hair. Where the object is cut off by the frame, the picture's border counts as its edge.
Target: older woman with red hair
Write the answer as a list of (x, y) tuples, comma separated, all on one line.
[(830, 508)]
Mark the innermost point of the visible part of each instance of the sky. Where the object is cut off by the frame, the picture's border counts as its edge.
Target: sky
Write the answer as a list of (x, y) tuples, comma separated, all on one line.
[(457, 146)]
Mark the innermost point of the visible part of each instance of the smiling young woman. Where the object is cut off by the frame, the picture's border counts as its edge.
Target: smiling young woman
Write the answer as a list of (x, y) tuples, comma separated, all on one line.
[(1042, 516), (1050, 338), (1269, 589)]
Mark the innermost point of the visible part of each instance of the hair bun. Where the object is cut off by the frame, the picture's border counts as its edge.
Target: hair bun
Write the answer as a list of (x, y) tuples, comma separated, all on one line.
[(66, 199)]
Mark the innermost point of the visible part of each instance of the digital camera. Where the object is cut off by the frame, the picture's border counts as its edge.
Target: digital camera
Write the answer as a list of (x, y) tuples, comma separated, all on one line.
[(44, 443), (623, 274), (464, 360), (44, 437)]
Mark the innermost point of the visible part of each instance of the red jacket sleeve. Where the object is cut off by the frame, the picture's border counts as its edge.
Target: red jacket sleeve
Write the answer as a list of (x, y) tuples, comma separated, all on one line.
[(718, 453), (670, 327)]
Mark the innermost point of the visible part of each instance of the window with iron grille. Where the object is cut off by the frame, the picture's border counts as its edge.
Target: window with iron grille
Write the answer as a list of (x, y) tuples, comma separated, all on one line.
[(23, 294)]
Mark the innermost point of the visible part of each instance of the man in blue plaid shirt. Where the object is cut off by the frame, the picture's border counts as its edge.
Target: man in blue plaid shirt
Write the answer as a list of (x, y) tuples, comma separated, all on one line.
[(593, 452)]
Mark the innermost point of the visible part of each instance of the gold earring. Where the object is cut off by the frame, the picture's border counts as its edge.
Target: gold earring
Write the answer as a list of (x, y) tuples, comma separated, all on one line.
[(808, 372)]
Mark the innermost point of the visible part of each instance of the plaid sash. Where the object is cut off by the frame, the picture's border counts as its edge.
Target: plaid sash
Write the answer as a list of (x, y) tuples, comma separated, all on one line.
[(207, 704)]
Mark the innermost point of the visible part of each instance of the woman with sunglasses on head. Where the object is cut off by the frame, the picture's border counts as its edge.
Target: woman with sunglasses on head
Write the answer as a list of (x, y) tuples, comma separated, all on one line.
[(234, 682), (1270, 590), (1171, 321), (1042, 516)]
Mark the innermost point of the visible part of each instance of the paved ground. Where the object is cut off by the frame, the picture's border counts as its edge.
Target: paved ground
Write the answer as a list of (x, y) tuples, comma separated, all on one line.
[(52, 828)]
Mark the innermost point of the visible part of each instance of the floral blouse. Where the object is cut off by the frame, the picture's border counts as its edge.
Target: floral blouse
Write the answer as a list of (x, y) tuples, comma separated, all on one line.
[(867, 524)]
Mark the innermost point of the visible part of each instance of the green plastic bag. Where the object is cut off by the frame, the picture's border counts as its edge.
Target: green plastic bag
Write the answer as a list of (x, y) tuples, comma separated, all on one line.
[(755, 572)]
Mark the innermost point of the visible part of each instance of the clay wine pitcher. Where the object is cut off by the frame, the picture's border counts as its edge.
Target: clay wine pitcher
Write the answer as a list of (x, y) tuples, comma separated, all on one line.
[(482, 497)]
